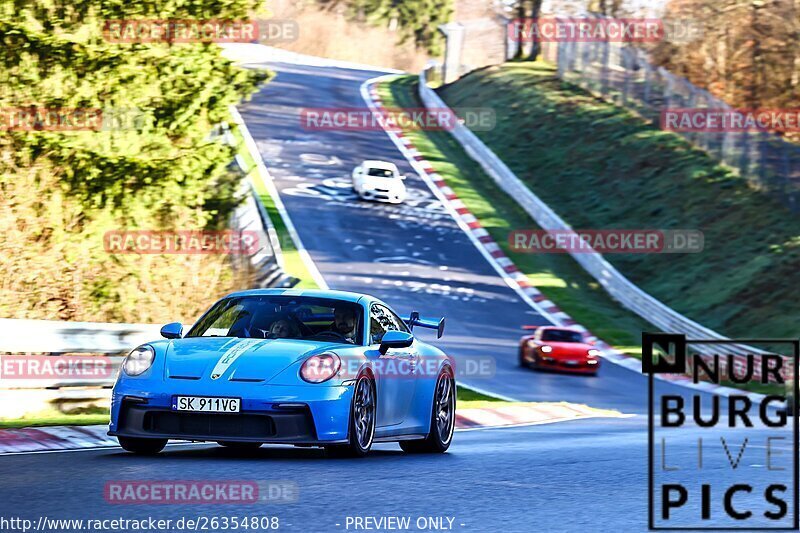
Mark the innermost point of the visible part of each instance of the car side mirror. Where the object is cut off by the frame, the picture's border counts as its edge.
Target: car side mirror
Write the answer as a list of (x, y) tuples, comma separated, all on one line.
[(395, 339), (402, 176), (173, 330)]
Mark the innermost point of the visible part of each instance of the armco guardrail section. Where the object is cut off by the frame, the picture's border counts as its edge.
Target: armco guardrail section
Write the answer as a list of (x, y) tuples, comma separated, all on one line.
[(617, 285), (56, 337), (18, 336)]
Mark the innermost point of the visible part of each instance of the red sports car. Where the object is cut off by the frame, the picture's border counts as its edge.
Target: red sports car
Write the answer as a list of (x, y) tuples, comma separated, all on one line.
[(557, 348)]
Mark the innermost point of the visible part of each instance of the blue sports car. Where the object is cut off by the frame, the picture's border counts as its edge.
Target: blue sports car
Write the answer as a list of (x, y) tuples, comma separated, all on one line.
[(303, 367)]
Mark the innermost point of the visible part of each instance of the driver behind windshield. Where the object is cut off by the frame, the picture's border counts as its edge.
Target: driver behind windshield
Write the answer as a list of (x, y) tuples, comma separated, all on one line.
[(283, 329), (344, 323)]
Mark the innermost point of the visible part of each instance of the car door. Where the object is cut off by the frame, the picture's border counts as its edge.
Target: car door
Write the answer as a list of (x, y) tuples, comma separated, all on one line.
[(396, 369)]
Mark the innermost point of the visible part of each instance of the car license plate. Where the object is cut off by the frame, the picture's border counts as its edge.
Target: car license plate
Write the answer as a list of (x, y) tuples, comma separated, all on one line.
[(572, 362), (206, 404)]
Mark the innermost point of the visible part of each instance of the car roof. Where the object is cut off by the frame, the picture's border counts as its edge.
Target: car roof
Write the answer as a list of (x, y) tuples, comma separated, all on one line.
[(374, 163), (313, 293), (560, 328)]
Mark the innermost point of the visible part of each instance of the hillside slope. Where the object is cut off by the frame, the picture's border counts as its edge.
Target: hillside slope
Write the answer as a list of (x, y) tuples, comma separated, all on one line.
[(600, 166)]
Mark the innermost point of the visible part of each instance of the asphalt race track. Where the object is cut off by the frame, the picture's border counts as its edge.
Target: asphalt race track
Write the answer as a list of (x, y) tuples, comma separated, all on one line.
[(589, 475), (414, 255)]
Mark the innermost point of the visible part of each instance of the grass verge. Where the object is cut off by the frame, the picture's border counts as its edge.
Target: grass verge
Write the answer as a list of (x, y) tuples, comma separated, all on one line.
[(557, 276), (57, 418), (469, 399), (601, 166)]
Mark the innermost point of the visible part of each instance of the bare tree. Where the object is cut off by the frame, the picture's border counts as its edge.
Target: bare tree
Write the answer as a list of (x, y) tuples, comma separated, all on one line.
[(748, 53)]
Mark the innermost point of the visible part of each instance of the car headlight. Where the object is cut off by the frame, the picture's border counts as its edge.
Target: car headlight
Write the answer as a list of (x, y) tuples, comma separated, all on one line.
[(593, 353), (320, 367), (139, 360), (546, 349)]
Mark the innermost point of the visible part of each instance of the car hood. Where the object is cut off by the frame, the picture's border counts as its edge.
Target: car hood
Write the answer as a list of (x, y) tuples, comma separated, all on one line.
[(568, 348), (384, 183), (234, 359)]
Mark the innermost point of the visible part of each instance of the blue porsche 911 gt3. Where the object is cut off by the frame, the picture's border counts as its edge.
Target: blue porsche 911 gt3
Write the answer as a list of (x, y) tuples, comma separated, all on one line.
[(304, 367)]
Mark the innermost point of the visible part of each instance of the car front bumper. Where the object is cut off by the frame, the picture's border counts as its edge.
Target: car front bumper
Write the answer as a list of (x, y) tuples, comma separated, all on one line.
[(269, 414), (394, 197), (570, 365)]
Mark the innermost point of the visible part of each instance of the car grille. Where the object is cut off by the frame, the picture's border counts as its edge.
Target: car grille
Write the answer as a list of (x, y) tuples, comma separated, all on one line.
[(171, 423), (138, 419)]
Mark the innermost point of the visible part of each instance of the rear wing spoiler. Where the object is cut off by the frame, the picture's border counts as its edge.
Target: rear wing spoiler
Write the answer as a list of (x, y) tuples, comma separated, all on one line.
[(415, 320), (531, 328)]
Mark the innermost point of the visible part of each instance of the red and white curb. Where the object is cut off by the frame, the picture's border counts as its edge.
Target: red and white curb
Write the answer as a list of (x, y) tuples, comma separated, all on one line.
[(506, 268), (73, 438), (528, 415), (54, 438)]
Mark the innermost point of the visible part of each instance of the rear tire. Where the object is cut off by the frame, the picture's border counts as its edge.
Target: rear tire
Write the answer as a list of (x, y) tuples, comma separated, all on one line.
[(521, 358), (443, 419), (142, 446), (361, 428), (240, 445)]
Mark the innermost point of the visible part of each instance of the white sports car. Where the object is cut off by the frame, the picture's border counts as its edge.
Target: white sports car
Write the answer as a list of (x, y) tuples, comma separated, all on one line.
[(379, 180)]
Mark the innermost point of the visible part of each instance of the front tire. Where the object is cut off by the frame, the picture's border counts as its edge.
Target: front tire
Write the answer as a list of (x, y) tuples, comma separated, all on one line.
[(361, 428), (443, 419), (142, 446)]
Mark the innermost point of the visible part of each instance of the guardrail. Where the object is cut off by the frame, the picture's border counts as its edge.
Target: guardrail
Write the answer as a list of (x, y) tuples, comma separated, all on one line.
[(19, 396), (55, 337), (616, 284), (18, 336)]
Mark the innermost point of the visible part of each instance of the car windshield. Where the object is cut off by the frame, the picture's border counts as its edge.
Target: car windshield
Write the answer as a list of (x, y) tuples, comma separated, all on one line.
[(561, 335), (380, 172), (282, 317)]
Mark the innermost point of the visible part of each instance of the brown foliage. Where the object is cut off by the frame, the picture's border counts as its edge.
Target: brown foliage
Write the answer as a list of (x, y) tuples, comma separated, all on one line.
[(748, 53)]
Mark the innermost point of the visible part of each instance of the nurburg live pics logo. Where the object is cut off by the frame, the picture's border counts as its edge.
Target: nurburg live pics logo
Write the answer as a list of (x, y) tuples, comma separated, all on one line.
[(722, 461)]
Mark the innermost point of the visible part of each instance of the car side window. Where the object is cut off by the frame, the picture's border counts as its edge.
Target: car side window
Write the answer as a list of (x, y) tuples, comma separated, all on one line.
[(376, 326), (381, 320), (399, 323)]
